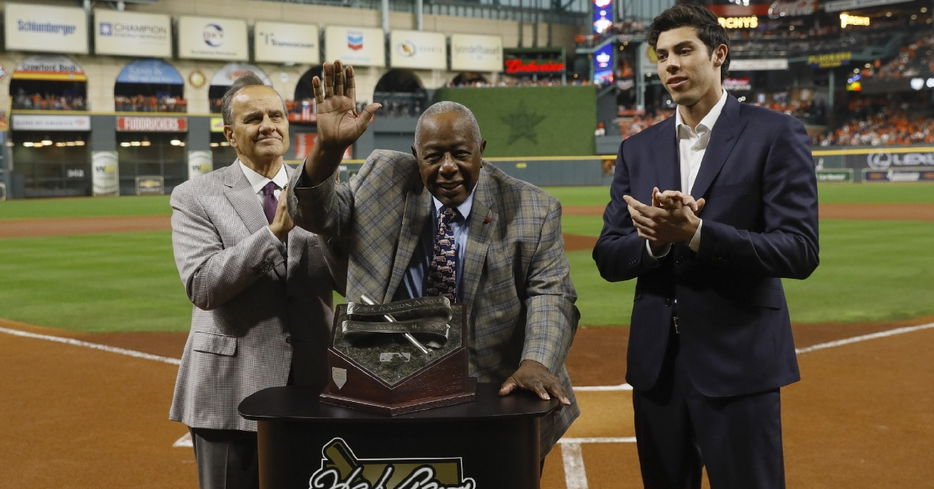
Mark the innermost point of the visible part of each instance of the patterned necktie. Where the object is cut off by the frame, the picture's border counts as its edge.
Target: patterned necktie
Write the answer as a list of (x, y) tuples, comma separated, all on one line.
[(269, 200), (442, 275)]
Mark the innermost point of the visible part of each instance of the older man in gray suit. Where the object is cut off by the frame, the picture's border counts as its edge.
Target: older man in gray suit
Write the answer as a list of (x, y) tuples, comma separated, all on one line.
[(508, 261), (261, 290)]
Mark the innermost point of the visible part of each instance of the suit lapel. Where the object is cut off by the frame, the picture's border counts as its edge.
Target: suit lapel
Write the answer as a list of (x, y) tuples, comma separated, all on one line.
[(482, 218), (722, 140), (417, 210), (665, 155), (243, 199)]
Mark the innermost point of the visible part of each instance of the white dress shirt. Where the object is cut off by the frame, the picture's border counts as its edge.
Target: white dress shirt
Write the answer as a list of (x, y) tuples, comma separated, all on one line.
[(692, 146), (258, 181)]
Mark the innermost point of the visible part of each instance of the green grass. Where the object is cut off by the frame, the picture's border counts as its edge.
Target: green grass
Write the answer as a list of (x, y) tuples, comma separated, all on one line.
[(581, 195), (157, 205), (876, 193), (829, 193), (870, 270), (111, 282)]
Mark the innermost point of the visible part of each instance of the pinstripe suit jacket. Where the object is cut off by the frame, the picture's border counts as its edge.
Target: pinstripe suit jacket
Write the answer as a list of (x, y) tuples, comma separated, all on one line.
[(516, 284), (260, 306)]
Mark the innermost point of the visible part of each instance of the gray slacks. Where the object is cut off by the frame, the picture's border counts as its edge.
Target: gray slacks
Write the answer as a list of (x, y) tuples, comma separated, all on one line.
[(227, 459)]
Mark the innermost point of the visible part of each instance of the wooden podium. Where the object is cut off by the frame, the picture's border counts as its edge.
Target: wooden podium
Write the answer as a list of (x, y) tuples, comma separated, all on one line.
[(490, 442)]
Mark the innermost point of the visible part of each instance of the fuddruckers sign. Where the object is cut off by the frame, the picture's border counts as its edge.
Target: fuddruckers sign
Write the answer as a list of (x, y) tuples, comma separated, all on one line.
[(152, 124)]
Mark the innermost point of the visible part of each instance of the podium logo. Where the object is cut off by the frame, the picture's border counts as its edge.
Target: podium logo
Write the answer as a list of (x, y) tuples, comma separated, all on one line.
[(341, 469)]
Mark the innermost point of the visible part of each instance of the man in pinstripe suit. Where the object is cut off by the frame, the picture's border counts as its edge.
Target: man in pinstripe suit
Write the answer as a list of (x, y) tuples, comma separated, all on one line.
[(261, 290), (511, 271)]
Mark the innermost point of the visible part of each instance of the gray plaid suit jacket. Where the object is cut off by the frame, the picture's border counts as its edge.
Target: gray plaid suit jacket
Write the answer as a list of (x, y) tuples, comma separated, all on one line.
[(516, 283), (260, 306)]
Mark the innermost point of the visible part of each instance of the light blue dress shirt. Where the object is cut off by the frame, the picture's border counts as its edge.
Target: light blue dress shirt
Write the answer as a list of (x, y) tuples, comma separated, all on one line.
[(413, 283)]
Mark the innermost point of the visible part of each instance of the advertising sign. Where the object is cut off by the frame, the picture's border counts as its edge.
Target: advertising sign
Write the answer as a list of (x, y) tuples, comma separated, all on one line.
[(31, 27), (199, 163), (153, 71), (898, 175), (602, 15), (152, 124), (418, 50), (29, 122), (278, 42), (48, 67), (603, 64), (132, 34), (841, 175), (737, 83), (105, 173), (212, 38), (355, 45), (766, 64), (225, 76), (519, 61), (648, 60), (830, 60), (476, 53)]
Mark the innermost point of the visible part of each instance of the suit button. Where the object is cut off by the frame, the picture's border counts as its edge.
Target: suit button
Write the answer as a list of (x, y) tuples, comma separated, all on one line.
[(668, 302), (288, 339)]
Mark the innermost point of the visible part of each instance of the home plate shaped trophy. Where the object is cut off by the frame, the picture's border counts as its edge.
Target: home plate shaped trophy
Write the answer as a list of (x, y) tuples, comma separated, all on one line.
[(399, 357)]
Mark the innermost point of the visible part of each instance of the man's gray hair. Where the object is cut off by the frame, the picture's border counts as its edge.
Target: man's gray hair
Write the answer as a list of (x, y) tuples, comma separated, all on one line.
[(246, 80), (448, 106)]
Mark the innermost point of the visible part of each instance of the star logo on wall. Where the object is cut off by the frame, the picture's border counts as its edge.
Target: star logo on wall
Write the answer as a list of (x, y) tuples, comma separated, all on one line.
[(522, 124)]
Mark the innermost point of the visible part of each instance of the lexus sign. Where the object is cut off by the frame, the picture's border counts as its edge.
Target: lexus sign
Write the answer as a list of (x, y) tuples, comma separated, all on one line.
[(887, 160)]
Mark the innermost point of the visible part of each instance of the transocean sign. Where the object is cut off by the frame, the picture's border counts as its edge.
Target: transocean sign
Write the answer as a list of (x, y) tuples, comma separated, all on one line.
[(888, 160)]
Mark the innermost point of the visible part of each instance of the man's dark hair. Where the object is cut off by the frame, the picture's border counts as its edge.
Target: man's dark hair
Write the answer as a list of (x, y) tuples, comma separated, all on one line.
[(246, 80), (705, 22)]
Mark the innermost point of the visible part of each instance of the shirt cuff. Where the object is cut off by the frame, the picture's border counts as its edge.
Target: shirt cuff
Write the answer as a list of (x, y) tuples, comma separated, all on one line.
[(662, 253), (694, 244)]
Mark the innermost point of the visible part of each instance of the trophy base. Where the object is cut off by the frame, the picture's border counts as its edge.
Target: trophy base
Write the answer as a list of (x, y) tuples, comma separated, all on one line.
[(403, 407), (386, 375)]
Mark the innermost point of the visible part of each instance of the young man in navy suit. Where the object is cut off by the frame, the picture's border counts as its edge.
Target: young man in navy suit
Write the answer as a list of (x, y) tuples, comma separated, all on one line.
[(709, 210)]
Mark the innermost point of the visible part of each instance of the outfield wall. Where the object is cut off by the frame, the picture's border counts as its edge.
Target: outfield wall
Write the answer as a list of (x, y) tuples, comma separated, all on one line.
[(866, 164)]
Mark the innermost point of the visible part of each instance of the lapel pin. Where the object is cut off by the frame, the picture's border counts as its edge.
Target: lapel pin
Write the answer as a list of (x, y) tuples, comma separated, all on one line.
[(487, 220)]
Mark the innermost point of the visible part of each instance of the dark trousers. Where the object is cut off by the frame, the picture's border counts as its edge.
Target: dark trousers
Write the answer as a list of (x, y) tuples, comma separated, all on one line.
[(227, 459), (679, 431)]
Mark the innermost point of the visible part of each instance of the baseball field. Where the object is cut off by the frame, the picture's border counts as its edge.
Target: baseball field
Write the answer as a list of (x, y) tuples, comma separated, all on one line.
[(93, 319)]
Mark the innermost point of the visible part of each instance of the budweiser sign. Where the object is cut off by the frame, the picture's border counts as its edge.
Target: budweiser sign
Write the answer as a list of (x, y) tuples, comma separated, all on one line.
[(152, 124)]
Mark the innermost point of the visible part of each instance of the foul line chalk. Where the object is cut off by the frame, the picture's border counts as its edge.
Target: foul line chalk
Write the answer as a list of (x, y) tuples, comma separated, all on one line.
[(799, 351), (184, 441), (95, 346), (575, 474), (865, 337), (606, 439)]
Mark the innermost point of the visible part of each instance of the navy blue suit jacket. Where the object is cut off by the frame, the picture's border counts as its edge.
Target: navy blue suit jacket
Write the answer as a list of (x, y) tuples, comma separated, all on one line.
[(759, 225)]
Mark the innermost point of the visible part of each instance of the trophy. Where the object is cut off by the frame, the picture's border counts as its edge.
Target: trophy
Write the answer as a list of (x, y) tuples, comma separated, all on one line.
[(399, 357)]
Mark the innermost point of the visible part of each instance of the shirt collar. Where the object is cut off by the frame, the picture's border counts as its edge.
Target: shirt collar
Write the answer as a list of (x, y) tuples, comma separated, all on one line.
[(463, 209), (258, 181), (706, 124)]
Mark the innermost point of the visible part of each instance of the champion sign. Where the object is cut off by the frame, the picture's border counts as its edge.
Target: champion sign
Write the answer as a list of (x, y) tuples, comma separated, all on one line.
[(886, 160), (152, 124)]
